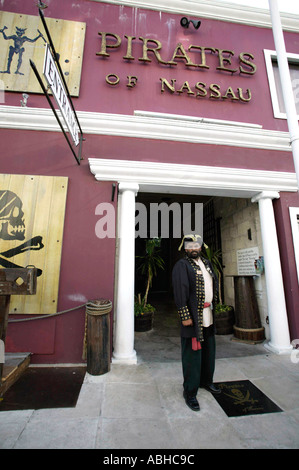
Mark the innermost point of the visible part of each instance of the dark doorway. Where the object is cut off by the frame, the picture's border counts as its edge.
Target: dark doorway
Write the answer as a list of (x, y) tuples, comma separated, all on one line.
[(162, 343), (169, 245)]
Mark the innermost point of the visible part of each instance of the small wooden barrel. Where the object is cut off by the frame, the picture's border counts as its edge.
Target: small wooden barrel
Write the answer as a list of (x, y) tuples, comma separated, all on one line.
[(224, 322), (248, 325)]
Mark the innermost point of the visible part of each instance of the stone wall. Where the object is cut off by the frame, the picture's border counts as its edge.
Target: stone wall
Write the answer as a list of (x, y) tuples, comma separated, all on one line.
[(238, 216)]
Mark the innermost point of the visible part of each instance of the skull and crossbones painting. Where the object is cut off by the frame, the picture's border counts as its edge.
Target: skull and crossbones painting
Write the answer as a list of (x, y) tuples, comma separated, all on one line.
[(32, 210), (12, 227)]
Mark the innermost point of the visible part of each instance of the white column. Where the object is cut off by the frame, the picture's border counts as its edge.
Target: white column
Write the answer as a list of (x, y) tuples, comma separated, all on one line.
[(124, 328), (286, 84), (278, 322)]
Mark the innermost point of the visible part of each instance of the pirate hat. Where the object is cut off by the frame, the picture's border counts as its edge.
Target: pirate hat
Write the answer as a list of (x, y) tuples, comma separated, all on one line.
[(194, 238)]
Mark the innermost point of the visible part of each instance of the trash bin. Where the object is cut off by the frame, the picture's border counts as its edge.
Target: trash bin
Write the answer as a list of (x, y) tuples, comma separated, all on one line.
[(98, 336)]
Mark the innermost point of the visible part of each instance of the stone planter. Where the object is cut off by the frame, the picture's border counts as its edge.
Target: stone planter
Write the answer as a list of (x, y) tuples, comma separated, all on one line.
[(144, 322)]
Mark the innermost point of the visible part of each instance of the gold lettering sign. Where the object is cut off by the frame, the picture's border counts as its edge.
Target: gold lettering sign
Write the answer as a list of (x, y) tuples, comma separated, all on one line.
[(228, 61), (154, 48), (214, 90), (32, 212), (22, 37)]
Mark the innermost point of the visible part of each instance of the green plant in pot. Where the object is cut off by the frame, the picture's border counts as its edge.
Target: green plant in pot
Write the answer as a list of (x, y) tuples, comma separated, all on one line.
[(224, 314), (149, 265)]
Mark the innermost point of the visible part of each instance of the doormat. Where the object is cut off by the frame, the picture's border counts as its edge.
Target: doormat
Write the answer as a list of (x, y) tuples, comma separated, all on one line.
[(242, 398), (44, 387)]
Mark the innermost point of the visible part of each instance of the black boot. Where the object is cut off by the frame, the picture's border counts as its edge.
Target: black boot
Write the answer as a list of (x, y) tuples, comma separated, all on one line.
[(191, 401), (212, 388)]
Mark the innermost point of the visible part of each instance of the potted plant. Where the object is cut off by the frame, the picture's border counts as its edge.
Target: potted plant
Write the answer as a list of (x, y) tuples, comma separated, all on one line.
[(149, 264), (224, 319), (143, 314), (224, 314)]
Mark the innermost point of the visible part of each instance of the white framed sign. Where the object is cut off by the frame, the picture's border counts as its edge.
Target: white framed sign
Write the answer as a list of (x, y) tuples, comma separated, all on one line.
[(52, 76), (246, 259)]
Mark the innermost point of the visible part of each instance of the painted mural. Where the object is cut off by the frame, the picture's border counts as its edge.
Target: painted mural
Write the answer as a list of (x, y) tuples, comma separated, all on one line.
[(22, 37), (31, 228)]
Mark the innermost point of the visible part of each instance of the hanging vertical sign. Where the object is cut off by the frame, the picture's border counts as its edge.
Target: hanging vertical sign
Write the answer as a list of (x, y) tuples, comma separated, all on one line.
[(52, 76)]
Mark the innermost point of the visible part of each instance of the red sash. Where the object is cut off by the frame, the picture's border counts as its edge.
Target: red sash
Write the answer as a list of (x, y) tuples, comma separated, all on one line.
[(196, 346)]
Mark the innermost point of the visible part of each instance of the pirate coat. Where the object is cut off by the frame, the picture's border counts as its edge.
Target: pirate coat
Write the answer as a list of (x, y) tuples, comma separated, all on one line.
[(189, 294)]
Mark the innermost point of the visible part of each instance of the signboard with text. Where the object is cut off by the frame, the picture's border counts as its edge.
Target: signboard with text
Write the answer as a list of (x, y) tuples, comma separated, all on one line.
[(53, 78), (246, 259)]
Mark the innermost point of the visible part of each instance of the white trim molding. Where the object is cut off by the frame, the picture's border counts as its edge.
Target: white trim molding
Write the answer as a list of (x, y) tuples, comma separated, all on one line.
[(294, 217), (192, 179), (152, 126), (269, 55), (220, 11)]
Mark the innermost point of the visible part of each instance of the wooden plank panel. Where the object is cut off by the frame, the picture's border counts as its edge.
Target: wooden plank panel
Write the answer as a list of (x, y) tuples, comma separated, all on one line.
[(41, 207), (54, 245), (42, 201), (28, 195), (21, 39)]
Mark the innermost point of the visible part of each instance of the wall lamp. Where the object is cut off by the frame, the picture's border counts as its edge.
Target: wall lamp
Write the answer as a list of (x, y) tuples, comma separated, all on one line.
[(185, 23), (24, 100)]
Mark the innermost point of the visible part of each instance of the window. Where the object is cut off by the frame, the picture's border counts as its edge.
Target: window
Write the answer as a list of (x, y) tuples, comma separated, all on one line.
[(275, 85), (294, 216)]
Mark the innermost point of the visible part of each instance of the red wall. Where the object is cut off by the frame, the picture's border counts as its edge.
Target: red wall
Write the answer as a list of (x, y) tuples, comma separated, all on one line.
[(97, 95), (87, 265), (87, 262), (286, 247)]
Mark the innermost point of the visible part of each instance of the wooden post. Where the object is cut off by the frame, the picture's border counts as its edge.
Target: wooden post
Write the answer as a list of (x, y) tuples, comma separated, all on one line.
[(98, 337), (248, 323), (13, 281)]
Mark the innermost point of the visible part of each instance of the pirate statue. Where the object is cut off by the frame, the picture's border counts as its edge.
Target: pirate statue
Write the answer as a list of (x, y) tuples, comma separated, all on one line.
[(195, 289)]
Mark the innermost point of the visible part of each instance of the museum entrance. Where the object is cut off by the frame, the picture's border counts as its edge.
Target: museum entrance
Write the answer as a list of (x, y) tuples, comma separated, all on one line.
[(171, 234), (243, 196), (228, 226), (166, 226)]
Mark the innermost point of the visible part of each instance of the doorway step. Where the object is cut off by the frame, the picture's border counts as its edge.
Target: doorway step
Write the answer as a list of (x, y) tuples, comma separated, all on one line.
[(14, 366)]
